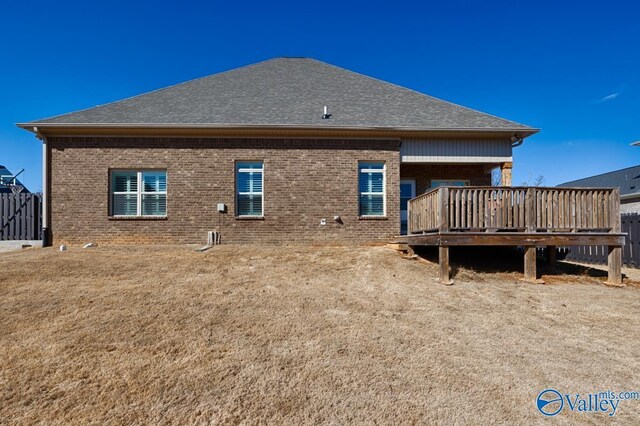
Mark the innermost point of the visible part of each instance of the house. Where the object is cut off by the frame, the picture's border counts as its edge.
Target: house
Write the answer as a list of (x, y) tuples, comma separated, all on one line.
[(9, 180), (285, 150), (628, 180)]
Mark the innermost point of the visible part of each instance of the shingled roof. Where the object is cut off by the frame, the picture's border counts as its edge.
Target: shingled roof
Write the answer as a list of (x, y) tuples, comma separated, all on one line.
[(7, 177), (286, 92), (628, 180)]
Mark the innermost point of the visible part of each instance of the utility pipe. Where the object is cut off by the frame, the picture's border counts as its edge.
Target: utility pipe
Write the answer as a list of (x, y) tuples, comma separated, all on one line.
[(45, 188)]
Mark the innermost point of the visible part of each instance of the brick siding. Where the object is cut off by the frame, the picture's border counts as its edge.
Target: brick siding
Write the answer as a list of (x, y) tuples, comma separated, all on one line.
[(304, 182)]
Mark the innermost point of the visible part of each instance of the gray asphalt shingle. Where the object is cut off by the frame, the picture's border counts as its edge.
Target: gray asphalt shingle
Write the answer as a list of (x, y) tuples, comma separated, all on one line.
[(628, 180), (5, 177), (288, 91)]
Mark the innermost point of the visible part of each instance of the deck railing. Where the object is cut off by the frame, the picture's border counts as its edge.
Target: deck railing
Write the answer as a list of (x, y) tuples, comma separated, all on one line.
[(515, 209)]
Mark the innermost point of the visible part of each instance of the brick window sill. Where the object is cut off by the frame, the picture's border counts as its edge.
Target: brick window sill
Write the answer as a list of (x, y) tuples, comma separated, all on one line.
[(249, 217), (373, 218), (138, 217)]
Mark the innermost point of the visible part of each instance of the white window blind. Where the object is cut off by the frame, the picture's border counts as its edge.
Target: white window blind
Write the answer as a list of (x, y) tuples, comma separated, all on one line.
[(249, 188), (372, 189), (138, 193)]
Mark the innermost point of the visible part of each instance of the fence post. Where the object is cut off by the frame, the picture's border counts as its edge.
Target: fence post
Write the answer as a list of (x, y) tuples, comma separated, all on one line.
[(3, 207), (633, 241), (614, 257)]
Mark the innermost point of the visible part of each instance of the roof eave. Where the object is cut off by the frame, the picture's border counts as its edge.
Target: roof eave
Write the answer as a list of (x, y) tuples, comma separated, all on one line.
[(118, 128), (630, 196)]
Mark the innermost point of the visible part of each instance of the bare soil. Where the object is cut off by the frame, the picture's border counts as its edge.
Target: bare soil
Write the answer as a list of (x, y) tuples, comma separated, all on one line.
[(304, 335)]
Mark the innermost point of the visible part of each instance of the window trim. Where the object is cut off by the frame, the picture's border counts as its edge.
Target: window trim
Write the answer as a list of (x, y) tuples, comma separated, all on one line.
[(384, 188), (139, 193), (237, 170)]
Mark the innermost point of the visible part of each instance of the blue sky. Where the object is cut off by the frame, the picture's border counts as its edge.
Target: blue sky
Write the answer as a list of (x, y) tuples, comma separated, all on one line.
[(571, 68)]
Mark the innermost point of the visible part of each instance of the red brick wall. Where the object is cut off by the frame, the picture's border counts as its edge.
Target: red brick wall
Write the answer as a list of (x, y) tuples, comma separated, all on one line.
[(423, 173), (304, 181)]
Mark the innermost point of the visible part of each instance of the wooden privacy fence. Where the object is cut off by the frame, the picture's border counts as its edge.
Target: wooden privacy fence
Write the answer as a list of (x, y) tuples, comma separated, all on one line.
[(598, 254), (20, 217), (516, 209)]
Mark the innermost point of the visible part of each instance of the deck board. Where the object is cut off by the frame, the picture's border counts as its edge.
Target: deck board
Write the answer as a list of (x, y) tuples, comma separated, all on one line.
[(513, 239)]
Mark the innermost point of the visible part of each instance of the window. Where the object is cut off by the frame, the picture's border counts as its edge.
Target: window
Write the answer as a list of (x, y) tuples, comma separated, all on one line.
[(139, 193), (249, 183), (372, 189), (437, 182)]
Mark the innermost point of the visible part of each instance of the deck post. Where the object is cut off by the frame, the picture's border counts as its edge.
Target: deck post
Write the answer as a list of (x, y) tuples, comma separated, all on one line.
[(614, 258), (614, 266), (443, 209), (551, 255), (443, 226), (443, 261), (530, 210), (530, 264), (409, 217)]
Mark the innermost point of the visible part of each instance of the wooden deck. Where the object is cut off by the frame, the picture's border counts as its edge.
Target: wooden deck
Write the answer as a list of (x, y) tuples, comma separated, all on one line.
[(517, 216)]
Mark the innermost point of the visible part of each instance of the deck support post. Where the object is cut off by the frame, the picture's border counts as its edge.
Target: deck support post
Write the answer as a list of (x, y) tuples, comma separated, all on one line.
[(443, 209), (530, 264), (614, 263), (551, 255), (443, 261)]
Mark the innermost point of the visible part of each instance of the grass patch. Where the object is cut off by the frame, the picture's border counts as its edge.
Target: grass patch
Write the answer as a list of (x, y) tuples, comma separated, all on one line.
[(299, 335)]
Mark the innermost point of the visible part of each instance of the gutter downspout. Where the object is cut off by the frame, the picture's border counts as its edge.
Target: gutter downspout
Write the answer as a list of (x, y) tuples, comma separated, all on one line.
[(46, 240), (519, 140)]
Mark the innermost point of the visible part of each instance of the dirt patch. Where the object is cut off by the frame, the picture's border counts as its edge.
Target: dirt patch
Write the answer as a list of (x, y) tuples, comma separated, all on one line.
[(300, 335)]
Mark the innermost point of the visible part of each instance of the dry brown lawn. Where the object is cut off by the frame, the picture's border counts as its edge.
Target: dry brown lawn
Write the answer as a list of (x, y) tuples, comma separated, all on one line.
[(300, 335)]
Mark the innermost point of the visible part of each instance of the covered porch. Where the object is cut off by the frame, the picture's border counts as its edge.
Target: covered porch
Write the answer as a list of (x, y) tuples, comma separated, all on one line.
[(465, 160), (529, 217), (419, 178)]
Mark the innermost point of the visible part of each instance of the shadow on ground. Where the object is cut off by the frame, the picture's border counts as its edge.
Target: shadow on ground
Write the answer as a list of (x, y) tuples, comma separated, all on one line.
[(503, 260)]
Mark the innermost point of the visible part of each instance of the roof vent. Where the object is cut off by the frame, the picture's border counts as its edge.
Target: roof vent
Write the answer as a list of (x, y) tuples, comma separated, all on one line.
[(326, 115)]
